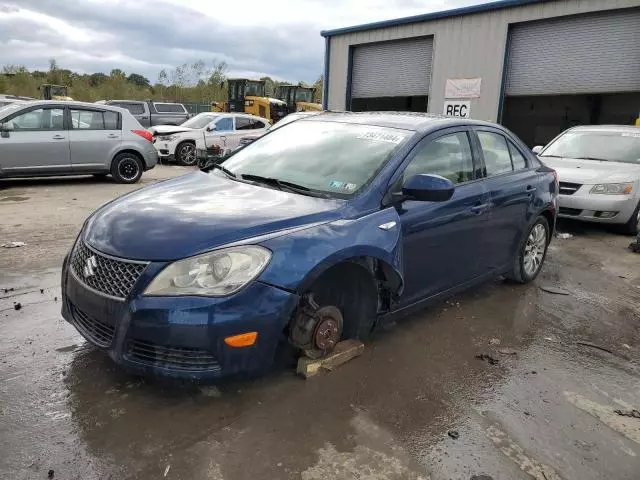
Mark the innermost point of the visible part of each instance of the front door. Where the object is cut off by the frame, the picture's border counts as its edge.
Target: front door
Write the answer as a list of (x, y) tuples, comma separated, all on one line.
[(443, 240), (95, 138), (39, 142), (511, 183)]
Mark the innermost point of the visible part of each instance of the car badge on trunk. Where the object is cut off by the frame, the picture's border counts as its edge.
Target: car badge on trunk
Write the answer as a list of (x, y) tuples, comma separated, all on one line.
[(90, 266)]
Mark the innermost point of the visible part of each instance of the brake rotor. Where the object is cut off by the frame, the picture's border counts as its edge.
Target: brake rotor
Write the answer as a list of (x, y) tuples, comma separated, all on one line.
[(327, 331)]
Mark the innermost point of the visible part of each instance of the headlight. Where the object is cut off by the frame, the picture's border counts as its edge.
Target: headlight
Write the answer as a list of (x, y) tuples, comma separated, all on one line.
[(613, 188), (214, 274), (166, 138)]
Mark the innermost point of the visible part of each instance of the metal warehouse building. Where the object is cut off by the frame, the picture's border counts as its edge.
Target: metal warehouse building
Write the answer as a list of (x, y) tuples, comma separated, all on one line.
[(535, 66)]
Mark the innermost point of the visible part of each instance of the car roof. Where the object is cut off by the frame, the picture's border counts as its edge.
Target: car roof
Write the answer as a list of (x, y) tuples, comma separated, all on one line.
[(413, 121), (607, 128), (64, 103)]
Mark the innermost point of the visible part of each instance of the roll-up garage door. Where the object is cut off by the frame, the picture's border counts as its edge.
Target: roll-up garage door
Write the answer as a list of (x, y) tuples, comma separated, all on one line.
[(591, 53), (392, 69)]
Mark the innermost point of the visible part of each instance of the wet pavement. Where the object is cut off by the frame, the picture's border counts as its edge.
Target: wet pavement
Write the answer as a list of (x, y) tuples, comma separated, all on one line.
[(417, 404)]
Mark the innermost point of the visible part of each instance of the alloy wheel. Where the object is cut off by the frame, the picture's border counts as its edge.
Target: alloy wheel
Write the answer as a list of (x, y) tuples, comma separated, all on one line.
[(534, 249), (128, 168)]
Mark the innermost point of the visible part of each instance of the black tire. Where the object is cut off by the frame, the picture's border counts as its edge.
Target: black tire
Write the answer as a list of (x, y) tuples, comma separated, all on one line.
[(186, 154), (632, 227), (521, 271), (126, 168)]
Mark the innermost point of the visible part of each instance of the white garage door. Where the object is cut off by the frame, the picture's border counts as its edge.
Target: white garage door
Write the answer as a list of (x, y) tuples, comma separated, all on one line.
[(392, 69), (582, 54)]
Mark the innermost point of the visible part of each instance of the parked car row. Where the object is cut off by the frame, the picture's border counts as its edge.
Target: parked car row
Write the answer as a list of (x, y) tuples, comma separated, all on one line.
[(150, 113)]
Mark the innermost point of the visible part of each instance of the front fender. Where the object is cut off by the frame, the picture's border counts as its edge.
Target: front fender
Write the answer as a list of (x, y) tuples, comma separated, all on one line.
[(302, 256)]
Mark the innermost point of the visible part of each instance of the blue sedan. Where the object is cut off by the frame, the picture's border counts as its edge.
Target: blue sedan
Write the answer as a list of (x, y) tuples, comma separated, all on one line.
[(318, 231)]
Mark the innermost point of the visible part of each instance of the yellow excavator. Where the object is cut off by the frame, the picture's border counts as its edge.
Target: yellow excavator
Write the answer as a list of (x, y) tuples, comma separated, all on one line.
[(298, 98), (54, 92), (248, 96)]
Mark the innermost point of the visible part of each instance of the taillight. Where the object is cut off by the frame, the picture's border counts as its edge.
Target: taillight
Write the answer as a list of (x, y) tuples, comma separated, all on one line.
[(144, 134)]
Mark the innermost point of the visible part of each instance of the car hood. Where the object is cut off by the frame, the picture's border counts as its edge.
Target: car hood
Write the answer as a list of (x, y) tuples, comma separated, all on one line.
[(167, 129), (592, 171), (196, 213)]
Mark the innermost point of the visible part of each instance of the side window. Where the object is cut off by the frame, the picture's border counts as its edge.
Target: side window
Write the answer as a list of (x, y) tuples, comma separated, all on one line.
[(448, 156), (519, 162), (134, 108), (87, 120), (496, 153), (243, 123), (39, 119), (169, 108), (224, 124), (111, 120), (257, 125)]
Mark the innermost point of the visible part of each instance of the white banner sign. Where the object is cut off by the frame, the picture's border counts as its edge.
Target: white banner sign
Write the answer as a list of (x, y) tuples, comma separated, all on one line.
[(457, 108), (462, 88)]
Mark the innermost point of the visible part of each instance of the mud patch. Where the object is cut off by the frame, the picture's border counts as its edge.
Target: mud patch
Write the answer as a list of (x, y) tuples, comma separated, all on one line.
[(14, 198)]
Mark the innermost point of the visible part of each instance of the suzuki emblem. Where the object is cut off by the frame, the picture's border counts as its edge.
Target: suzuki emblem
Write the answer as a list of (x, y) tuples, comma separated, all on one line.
[(90, 266)]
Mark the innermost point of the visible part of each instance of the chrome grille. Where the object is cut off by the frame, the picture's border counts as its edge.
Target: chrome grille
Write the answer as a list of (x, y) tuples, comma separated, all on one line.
[(108, 275), (92, 329), (176, 358), (567, 188)]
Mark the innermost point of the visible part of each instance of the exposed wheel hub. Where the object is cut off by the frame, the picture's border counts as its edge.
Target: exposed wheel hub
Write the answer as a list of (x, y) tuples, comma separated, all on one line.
[(315, 329)]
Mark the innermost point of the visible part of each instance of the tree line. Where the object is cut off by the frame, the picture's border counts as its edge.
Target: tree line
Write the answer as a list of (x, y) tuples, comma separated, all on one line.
[(199, 82)]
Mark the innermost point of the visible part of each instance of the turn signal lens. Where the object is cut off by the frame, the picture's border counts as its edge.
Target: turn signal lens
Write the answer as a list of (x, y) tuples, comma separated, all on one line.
[(242, 340)]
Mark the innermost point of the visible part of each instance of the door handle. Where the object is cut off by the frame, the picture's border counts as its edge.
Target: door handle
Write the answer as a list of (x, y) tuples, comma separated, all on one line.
[(479, 209), (58, 137), (530, 189), (113, 135)]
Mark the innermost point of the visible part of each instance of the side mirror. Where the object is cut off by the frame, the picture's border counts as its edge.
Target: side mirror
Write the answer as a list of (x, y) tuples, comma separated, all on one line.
[(428, 188), (211, 128), (537, 149)]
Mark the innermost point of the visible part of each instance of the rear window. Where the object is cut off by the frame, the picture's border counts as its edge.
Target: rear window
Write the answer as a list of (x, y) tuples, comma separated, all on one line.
[(93, 120), (169, 107), (133, 107)]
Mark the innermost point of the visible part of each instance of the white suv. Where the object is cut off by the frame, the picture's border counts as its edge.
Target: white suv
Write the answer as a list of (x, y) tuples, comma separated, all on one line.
[(205, 130)]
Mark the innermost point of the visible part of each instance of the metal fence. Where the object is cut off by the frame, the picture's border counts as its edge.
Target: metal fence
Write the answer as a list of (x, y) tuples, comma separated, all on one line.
[(195, 108)]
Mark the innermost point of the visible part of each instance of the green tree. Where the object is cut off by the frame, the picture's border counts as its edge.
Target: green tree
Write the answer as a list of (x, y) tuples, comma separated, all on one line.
[(138, 80)]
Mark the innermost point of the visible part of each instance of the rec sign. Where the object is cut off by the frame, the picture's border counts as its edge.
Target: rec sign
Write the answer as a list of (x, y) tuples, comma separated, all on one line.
[(457, 108)]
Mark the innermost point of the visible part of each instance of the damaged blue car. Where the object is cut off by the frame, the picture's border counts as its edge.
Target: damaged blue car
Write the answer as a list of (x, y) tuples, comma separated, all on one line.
[(316, 232)]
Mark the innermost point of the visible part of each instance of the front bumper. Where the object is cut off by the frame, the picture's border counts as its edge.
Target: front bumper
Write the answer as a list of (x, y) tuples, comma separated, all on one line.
[(585, 206), (180, 337)]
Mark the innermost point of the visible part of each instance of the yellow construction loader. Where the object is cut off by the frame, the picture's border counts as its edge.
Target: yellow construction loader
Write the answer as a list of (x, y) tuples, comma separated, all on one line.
[(298, 98), (248, 96)]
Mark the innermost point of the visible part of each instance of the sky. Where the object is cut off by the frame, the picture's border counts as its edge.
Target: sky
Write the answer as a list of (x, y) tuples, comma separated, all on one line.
[(278, 38)]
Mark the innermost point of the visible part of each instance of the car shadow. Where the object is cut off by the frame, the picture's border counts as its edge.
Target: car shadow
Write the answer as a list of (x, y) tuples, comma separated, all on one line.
[(585, 229), (55, 181)]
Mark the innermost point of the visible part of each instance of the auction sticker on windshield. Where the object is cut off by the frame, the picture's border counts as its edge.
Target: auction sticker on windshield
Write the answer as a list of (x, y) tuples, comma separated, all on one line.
[(381, 137)]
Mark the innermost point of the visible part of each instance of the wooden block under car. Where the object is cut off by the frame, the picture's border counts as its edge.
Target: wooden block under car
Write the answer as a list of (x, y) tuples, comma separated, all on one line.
[(341, 354)]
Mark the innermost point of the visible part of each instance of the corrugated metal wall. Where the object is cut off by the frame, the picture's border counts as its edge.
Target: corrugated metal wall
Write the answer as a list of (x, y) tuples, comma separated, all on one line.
[(464, 47)]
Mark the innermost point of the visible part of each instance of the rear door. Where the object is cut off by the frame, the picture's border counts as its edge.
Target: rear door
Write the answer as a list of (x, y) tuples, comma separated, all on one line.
[(441, 247), (95, 137), (511, 182), (39, 142)]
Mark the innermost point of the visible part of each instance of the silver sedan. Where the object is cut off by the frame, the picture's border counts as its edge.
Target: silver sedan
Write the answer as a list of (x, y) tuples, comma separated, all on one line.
[(599, 172), (46, 138)]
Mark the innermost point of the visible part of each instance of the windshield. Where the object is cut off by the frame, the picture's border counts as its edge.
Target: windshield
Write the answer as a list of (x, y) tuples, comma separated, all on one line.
[(304, 96), (597, 145), (255, 89), (200, 121), (330, 157), (9, 108), (292, 117)]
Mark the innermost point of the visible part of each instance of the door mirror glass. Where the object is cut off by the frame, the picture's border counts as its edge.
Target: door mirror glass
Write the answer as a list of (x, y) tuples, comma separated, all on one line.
[(537, 149), (6, 127), (428, 188)]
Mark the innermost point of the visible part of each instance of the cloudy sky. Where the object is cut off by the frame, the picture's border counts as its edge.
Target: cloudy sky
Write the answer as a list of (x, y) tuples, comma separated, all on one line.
[(279, 38)]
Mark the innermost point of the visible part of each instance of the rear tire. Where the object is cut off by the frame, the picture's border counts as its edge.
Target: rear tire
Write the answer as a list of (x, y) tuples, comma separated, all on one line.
[(532, 252), (126, 168), (633, 225), (186, 154)]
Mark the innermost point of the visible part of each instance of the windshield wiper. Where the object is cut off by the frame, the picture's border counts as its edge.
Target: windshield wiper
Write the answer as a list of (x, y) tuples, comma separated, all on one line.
[(227, 172), (283, 185), (593, 158)]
